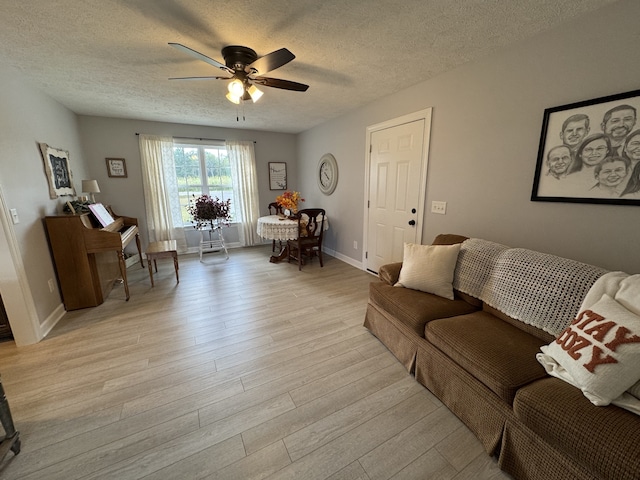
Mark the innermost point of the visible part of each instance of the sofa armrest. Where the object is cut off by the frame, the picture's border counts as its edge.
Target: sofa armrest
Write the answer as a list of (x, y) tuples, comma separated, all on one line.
[(390, 273), (449, 239)]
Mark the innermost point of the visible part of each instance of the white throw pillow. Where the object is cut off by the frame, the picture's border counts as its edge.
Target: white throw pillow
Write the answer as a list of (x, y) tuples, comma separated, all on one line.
[(429, 268), (598, 353)]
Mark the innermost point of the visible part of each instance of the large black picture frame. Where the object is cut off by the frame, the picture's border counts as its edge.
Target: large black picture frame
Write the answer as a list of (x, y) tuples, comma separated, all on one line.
[(585, 148)]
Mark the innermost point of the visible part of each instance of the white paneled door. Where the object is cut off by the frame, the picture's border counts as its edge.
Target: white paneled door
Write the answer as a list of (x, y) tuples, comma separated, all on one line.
[(397, 180)]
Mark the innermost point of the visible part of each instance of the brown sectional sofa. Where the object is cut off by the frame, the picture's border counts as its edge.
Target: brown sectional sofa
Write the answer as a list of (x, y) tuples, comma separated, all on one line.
[(481, 363)]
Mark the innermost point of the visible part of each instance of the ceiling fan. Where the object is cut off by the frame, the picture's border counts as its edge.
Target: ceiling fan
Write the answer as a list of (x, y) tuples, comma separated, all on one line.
[(243, 67)]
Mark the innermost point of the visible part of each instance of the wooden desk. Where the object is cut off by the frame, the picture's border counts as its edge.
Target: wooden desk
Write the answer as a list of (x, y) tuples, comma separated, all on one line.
[(163, 249)]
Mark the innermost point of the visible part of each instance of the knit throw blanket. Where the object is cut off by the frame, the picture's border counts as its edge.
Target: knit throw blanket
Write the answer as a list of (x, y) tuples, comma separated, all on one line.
[(535, 288)]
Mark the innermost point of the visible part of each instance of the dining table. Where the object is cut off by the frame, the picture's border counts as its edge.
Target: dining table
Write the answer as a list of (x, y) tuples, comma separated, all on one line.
[(281, 228)]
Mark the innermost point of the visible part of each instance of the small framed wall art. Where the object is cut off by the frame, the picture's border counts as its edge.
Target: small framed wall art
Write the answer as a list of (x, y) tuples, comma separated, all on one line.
[(277, 176), (116, 167), (58, 171)]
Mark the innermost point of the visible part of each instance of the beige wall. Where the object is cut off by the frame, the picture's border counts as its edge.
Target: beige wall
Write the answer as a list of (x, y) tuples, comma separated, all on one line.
[(486, 124)]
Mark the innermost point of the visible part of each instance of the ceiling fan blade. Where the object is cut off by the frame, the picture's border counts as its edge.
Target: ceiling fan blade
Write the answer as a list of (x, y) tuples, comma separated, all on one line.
[(271, 61), (201, 56), (283, 84), (200, 78)]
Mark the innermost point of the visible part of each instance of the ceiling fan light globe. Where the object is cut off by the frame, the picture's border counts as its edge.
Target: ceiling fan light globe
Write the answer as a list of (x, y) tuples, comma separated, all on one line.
[(255, 93), (236, 88), (232, 98)]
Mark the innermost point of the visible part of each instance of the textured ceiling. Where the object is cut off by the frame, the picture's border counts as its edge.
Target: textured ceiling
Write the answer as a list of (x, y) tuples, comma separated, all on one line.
[(112, 58)]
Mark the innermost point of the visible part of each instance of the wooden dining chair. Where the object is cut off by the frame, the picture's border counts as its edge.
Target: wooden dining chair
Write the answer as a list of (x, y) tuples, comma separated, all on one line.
[(310, 233), (275, 209)]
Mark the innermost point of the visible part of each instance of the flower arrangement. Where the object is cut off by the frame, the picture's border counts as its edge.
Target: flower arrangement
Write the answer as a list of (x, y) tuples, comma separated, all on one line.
[(206, 210), (289, 200)]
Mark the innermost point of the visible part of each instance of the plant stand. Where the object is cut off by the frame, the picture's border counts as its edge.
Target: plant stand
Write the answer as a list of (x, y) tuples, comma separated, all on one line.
[(213, 242)]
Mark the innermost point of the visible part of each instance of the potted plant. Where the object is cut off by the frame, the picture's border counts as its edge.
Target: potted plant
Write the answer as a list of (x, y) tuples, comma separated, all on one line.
[(208, 211)]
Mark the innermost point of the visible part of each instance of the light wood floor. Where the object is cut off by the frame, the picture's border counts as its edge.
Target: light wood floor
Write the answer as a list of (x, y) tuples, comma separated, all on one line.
[(243, 370)]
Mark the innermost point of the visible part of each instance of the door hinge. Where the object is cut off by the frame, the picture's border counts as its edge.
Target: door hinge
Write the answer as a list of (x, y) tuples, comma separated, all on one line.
[(370, 147), (366, 255)]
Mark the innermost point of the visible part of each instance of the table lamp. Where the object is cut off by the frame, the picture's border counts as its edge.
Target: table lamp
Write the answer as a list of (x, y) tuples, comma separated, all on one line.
[(91, 187)]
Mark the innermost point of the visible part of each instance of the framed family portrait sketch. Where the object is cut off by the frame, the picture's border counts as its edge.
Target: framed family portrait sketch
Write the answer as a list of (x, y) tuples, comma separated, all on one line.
[(589, 152), (116, 167), (57, 170), (277, 176)]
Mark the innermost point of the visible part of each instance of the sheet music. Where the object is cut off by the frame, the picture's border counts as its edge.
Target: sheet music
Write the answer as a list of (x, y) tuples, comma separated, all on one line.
[(101, 214)]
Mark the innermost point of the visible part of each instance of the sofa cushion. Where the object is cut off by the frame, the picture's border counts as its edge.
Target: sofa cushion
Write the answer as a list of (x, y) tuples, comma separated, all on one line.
[(530, 329), (429, 268), (604, 440), (501, 356), (414, 308)]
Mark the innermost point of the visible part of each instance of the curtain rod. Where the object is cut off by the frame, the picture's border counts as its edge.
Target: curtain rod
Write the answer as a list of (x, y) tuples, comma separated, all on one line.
[(201, 139)]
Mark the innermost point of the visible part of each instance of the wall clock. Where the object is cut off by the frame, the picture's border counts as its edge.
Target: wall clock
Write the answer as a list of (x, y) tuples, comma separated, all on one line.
[(327, 174)]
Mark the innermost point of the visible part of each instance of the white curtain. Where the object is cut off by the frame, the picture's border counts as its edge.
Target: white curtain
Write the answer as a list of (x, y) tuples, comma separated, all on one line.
[(164, 219), (245, 188)]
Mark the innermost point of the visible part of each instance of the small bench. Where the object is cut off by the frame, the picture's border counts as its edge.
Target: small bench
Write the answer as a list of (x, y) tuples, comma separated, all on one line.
[(163, 249)]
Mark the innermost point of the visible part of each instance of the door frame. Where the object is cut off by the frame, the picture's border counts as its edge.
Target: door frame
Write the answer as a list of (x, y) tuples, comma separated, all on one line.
[(17, 298), (394, 122)]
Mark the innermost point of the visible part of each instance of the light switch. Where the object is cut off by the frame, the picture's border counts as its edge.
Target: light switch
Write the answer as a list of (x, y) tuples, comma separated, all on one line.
[(14, 215), (439, 207)]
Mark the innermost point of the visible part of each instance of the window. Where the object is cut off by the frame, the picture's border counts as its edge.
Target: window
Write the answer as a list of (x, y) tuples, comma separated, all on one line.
[(202, 169)]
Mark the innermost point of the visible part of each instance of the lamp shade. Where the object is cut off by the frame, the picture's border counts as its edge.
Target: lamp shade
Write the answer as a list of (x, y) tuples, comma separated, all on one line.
[(232, 98), (90, 186), (255, 93), (236, 88)]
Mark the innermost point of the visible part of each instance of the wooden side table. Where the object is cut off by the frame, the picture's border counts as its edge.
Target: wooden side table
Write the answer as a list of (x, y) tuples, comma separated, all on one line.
[(11, 439), (163, 249)]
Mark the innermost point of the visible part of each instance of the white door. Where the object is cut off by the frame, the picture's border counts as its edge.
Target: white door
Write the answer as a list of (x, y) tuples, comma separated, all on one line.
[(397, 182)]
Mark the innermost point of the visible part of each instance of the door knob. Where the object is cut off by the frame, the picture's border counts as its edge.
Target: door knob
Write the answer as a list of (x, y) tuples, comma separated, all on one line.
[(412, 222)]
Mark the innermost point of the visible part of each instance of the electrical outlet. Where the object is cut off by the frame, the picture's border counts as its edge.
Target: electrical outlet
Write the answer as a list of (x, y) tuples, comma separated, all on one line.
[(355, 244), (439, 207), (50, 285)]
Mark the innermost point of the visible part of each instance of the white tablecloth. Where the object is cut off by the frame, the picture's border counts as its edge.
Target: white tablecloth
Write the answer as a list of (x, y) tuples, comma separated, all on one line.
[(273, 227)]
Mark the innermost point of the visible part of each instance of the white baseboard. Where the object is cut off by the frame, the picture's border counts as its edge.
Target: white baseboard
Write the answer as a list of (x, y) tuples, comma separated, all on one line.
[(344, 258), (52, 320)]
